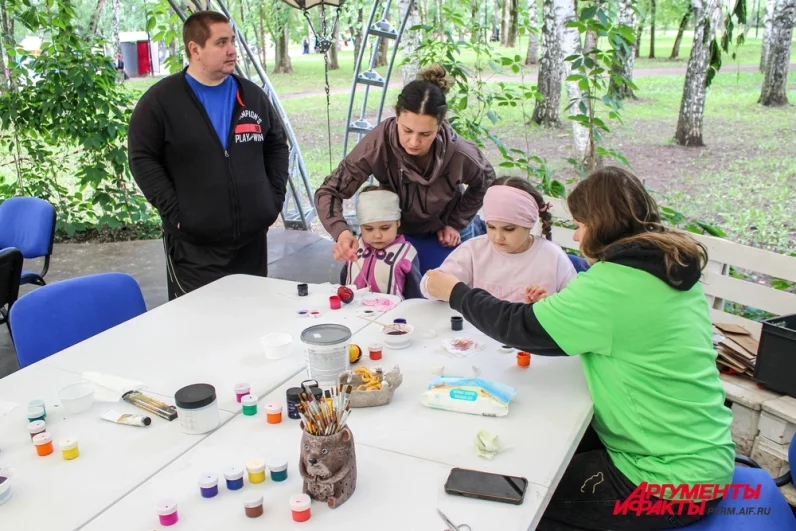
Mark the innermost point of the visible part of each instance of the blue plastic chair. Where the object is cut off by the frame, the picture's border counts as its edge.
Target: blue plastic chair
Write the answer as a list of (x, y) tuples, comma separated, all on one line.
[(430, 253), (775, 511), (580, 263), (28, 223), (59, 315)]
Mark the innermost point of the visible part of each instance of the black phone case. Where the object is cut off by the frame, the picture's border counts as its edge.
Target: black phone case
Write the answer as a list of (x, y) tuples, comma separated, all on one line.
[(480, 496)]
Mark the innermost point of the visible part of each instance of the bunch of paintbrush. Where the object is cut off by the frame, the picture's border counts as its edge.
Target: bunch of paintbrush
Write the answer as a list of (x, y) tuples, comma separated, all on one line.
[(325, 415)]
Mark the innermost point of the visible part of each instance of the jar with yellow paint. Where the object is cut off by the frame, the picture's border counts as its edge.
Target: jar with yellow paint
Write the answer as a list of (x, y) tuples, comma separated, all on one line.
[(256, 470), (69, 449)]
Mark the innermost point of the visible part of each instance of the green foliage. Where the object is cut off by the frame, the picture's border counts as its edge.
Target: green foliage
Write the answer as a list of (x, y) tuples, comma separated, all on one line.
[(66, 123), (160, 23)]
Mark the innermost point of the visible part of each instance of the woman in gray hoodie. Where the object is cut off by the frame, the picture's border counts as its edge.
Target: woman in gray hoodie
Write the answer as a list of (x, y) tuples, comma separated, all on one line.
[(439, 177)]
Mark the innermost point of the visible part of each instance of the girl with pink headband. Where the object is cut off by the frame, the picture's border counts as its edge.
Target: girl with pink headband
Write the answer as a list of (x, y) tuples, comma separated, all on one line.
[(510, 262)]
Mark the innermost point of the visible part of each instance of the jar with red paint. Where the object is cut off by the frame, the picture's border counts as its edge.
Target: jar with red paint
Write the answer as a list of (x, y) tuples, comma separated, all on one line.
[(300, 507), (375, 351)]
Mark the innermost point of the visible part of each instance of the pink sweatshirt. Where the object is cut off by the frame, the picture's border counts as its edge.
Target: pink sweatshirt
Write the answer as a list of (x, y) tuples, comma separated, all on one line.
[(479, 264)]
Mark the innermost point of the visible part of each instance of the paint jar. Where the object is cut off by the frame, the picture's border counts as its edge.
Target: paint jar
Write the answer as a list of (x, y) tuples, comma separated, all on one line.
[(523, 359), (234, 477), (38, 403), (293, 398), (303, 313), (315, 314), (167, 512), (273, 413), (208, 485), (69, 449), (505, 349), (5, 484), (375, 351), (457, 323), (300, 507), (43, 443), (197, 408), (303, 290), (399, 321), (35, 413), (334, 302), (36, 427), (241, 390), (326, 352), (278, 468), (253, 505), (249, 404), (256, 470)]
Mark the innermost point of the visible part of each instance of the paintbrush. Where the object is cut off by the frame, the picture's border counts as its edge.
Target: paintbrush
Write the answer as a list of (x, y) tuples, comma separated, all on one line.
[(393, 325)]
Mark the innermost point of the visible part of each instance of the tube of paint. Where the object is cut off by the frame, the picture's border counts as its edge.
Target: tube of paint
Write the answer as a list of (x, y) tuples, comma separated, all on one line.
[(125, 418)]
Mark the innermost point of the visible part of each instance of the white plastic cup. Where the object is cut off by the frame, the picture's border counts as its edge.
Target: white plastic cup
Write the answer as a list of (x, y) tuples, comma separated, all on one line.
[(277, 346), (77, 398)]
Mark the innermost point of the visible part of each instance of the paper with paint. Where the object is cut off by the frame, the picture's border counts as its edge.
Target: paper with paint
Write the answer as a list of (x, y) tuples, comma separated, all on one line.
[(7, 407), (110, 388), (474, 396)]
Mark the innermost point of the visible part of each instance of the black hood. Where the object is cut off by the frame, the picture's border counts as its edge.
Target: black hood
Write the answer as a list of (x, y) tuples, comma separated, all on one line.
[(650, 258)]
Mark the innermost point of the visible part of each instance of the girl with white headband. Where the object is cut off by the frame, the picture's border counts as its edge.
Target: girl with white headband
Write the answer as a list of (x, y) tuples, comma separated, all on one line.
[(385, 261), (510, 262)]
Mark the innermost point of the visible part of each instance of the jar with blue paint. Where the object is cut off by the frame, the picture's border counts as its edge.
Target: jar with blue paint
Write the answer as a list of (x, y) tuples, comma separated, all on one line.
[(208, 485), (234, 477), (38, 403), (35, 413), (278, 468)]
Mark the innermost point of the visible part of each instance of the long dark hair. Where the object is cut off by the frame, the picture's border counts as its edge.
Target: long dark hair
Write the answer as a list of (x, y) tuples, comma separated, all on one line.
[(523, 184), (426, 94)]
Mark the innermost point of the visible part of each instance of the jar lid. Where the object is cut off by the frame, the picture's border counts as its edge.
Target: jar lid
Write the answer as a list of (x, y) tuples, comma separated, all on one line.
[(35, 412), (252, 499), (300, 502), (273, 408), (37, 426), (207, 481), (523, 355), (326, 334), (277, 464), (375, 346), (293, 393), (166, 507), (233, 473), (242, 388), (249, 400), (67, 444), (36, 403), (399, 321), (255, 465), (42, 438), (195, 396)]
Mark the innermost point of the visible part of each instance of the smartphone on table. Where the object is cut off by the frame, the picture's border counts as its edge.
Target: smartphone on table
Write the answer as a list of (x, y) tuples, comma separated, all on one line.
[(486, 486)]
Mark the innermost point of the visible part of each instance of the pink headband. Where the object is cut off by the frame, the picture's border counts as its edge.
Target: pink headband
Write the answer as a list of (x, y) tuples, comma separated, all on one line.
[(510, 205)]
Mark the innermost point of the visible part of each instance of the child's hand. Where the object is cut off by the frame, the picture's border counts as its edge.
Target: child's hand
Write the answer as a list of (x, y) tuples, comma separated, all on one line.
[(449, 237), (345, 248), (440, 285), (534, 294)]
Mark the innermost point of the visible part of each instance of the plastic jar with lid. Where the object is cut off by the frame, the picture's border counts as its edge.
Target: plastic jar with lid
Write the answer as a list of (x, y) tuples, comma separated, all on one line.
[(249, 405), (208, 485), (300, 507), (256, 470), (253, 504), (234, 477), (197, 409), (241, 390), (35, 413), (69, 449), (273, 413), (36, 427), (43, 443), (167, 512), (278, 468)]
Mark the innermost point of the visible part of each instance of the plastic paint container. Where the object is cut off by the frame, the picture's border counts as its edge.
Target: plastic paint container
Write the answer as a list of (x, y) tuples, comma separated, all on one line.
[(43, 443), (278, 468), (273, 413), (399, 321), (523, 359), (457, 323), (5, 484), (303, 290), (69, 448), (36, 427), (241, 390), (234, 477), (256, 469), (315, 314), (375, 351), (292, 396), (167, 512), (208, 485), (334, 302), (197, 408), (38, 403), (249, 404), (300, 507), (505, 349), (326, 351), (35, 413), (303, 313), (253, 505)]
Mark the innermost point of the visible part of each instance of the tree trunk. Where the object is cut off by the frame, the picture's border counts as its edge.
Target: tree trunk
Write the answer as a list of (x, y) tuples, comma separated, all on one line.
[(282, 63), (532, 57), (422, 11), (570, 45), (767, 21), (680, 31), (589, 41), (652, 29), (356, 34), (7, 45), (546, 110), (411, 40), (774, 93), (117, 46), (438, 19), (625, 57), (261, 40), (639, 32), (474, 6), (3, 80), (332, 53), (173, 42), (96, 16), (513, 33), (692, 106), (383, 46), (504, 22)]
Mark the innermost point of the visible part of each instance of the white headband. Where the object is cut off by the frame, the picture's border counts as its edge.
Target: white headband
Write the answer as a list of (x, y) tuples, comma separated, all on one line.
[(378, 205)]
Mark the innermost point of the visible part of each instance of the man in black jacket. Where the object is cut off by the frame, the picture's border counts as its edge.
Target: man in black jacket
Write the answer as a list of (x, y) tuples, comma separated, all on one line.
[(208, 150)]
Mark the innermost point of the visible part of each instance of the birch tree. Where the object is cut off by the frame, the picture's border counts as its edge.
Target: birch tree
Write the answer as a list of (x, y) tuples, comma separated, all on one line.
[(570, 45), (532, 56), (767, 20), (117, 46), (625, 56), (410, 41), (774, 91), (546, 110)]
